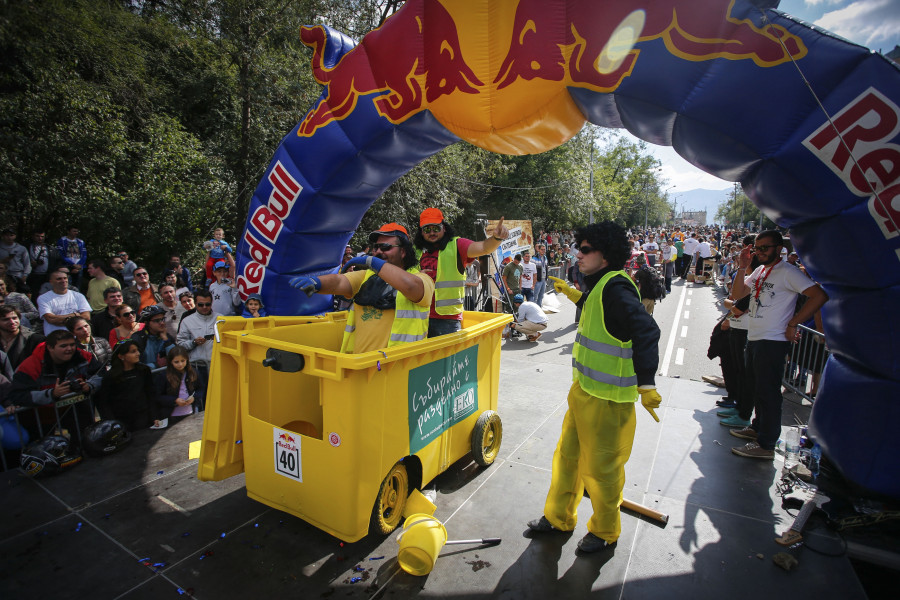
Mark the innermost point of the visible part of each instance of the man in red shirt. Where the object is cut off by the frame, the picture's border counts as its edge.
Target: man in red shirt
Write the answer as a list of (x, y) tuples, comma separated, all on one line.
[(444, 257)]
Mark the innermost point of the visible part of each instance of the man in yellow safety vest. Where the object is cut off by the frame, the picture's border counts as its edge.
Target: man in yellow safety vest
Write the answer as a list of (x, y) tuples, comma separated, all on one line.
[(444, 256), (390, 294), (614, 360)]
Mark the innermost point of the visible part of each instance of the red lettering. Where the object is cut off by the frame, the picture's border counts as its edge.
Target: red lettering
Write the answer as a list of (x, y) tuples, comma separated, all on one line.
[(883, 163), (267, 223), (850, 124), (252, 283), (885, 209), (257, 251)]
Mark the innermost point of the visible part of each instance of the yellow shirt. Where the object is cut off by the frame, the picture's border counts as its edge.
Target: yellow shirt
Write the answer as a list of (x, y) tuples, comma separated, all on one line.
[(95, 291), (373, 326)]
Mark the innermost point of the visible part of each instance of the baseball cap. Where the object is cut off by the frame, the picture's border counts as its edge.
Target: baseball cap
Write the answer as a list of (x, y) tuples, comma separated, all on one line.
[(393, 229), (431, 216), (220, 264)]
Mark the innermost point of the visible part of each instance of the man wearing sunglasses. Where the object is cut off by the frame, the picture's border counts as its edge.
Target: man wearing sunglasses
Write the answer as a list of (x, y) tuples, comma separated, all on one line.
[(614, 361), (773, 288), (444, 257), (147, 291), (390, 294), (196, 333)]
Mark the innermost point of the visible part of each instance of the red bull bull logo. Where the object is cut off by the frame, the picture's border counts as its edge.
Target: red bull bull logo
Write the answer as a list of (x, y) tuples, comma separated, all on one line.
[(430, 51)]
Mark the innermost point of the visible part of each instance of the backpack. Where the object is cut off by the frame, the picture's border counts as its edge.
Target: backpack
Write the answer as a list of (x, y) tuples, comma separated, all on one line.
[(657, 284)]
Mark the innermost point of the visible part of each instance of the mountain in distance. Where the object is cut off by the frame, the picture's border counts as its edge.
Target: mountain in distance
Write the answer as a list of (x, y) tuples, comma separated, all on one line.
[(700, 199)]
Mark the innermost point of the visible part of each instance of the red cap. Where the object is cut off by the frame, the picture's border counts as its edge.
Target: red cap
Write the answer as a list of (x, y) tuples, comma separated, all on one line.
[(393, 229), (431, 216)]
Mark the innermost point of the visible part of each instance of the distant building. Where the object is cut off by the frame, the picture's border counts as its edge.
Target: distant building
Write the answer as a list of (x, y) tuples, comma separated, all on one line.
[(696, 218), (894, 54)]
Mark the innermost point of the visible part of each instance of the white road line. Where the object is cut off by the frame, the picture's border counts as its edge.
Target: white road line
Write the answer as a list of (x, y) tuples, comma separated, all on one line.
[(690, 292), (671, 343), (687, 302), (183, 511), (687, 314), (684, 331), (679, 357)]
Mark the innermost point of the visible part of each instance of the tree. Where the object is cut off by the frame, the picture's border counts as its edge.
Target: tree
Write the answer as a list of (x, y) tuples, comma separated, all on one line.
[(737, 209)]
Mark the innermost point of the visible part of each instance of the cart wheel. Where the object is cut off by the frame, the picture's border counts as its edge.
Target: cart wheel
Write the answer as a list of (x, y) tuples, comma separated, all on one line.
[(486, 437), (388, 510)]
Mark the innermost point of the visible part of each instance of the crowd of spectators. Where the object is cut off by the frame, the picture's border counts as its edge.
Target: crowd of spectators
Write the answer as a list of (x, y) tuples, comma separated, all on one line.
[(134, 342)]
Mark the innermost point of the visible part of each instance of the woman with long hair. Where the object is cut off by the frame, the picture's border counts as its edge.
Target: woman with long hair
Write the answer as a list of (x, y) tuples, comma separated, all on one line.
[(179, 390), (127, 392), (99, 348), (126, 325)]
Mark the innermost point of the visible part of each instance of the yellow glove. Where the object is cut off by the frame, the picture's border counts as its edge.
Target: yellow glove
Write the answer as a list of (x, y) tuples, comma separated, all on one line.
[(651, 399), (564, 288)]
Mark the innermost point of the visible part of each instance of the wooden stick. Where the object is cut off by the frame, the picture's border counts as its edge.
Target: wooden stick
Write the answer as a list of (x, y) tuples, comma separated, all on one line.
[(647, 512)]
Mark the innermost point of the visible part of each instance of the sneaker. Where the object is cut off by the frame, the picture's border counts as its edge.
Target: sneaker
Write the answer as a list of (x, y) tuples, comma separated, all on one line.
[(726, 402), (541, 525), (592, 543), (747, 433), (753, 450), (735, 421), (728, 412)]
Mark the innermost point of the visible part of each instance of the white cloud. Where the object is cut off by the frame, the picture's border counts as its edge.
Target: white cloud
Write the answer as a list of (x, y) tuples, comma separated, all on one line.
[(866, 22), (818, 2)]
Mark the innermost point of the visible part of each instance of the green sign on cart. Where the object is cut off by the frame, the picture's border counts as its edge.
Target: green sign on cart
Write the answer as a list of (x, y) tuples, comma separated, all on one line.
[(441, 394)]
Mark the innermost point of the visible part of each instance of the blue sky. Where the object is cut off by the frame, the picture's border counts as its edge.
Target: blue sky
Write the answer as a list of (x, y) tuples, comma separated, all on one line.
[(871, 23)]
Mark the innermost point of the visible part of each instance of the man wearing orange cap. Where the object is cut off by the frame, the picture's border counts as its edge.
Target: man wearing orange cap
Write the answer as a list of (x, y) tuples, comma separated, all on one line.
[(390, 295), (444, 257)]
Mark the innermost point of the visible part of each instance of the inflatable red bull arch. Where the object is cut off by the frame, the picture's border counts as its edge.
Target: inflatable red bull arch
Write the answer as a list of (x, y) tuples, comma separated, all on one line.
[(734, 85)]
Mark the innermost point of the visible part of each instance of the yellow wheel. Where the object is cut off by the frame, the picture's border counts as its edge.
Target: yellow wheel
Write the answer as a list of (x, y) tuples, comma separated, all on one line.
[(486, 438), (388, 510)]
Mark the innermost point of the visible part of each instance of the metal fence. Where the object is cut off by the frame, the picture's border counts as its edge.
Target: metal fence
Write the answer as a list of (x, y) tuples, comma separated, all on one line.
[(69, 416), (804, 365)]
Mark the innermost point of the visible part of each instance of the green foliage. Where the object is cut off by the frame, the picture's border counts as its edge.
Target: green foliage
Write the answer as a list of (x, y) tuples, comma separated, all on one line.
[(739, 209)]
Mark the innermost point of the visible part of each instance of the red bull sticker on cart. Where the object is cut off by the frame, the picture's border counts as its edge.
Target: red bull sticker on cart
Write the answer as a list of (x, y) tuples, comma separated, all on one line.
[(441, 393), (287, 454)]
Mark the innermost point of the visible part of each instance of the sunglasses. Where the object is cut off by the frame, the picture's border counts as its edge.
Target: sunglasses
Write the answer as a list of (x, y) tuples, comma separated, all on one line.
[(764, 248), (585, 249), (432, 228), (140, 275), (202, 304), (127, 314), (384, 247), (157, 320)]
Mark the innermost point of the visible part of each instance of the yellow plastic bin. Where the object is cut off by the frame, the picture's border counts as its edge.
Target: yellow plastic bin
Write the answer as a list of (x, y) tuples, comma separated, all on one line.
[(340, 440)]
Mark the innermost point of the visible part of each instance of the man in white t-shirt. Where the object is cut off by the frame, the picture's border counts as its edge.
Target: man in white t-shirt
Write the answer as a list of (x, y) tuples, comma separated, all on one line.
[(690, 249), (529, 276), (703, 252), (530, 319), (771, 328), (651, 248), (60, 303)]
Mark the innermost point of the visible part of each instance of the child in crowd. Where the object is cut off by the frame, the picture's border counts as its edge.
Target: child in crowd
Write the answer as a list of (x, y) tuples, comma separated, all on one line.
[(253, 307), (224, 291), (179, 390), (127, 392), (217, 250), (126, 325)]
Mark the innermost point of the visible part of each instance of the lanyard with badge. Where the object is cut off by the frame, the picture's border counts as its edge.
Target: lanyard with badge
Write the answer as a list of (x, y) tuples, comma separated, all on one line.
[(758, 284)]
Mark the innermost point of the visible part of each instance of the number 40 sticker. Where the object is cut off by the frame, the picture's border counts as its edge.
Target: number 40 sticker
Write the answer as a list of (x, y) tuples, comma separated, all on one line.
[(287, 454)]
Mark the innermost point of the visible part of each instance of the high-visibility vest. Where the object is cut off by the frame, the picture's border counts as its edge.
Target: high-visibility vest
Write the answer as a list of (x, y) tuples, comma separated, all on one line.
[(410, 321), (450, 284), (602, 365)]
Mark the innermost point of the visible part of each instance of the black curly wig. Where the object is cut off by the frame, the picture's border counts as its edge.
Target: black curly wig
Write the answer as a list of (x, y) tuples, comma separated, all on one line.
[(608, 238)]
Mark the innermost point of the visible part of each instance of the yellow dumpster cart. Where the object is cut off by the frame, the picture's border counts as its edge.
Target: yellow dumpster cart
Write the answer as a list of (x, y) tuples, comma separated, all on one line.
[(340, 440)]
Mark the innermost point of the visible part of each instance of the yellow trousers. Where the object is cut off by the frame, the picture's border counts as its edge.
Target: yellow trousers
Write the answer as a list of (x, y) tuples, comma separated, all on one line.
[(595, 443)]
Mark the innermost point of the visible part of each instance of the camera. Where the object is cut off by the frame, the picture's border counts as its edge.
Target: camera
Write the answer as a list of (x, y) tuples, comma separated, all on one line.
[(210, 336)]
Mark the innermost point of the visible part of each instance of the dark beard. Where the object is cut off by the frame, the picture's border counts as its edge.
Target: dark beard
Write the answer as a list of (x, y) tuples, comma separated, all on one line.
[(438, 245)]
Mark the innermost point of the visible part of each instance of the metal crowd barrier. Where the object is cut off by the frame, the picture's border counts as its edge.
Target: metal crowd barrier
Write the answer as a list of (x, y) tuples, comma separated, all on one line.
[(804, 365), (65, 420)]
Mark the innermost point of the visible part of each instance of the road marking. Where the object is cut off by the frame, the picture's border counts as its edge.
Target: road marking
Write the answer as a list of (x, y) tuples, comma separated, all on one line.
[(690, 292), (686, 315), (670, 345), (687, 302), (684, 331), (165, 500), (679, 357)]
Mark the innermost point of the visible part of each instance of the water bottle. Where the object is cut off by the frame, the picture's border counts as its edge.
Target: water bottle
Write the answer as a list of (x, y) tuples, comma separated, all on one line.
[(791, 448)]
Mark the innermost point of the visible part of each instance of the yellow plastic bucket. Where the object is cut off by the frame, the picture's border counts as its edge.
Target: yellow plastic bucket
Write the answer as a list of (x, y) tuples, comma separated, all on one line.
[(421, 541)]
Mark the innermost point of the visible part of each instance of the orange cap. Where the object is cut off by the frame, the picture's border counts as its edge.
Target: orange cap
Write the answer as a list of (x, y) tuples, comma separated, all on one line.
[(431, 216), (394, 229)]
